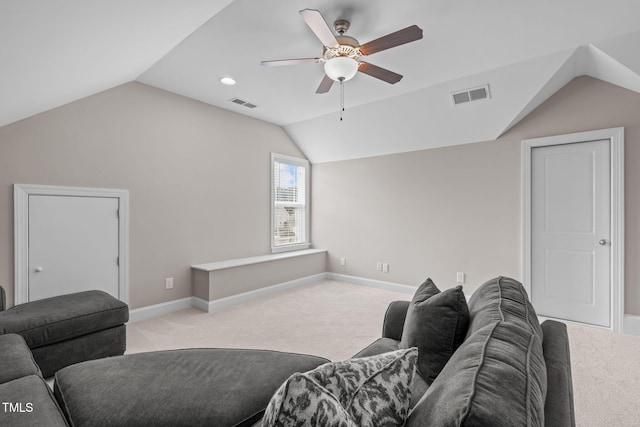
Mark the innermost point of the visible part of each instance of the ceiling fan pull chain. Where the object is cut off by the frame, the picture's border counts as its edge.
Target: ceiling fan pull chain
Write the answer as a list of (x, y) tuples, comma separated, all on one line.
[(341, 98)]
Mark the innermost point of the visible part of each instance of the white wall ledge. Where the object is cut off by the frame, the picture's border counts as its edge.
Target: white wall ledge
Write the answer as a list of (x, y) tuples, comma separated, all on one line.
[(239, 262)]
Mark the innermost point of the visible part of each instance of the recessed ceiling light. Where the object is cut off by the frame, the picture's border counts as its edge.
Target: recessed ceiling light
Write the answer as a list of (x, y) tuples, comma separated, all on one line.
[(227, 81)]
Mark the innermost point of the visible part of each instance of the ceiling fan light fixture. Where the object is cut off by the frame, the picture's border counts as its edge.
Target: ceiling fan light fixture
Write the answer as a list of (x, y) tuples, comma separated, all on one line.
[(341, 68)]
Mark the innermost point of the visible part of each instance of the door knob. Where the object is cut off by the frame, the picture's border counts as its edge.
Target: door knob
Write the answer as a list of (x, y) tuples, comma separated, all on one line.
[(38, 269), (602, 242)]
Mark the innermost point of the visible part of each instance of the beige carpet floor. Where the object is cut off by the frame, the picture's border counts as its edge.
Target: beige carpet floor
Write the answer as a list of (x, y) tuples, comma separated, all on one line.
[(336, 320)]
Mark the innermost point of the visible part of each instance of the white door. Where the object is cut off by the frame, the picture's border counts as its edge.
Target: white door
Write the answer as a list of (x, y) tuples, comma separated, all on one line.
[(570, 231), (73, 245)]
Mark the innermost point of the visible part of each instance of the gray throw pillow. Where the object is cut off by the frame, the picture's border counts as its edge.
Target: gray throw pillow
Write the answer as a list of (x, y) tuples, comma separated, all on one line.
[(436, 323), (425, 291)]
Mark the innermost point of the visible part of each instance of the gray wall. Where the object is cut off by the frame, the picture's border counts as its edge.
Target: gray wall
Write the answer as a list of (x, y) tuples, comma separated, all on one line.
[(440, 211), (198, 178)]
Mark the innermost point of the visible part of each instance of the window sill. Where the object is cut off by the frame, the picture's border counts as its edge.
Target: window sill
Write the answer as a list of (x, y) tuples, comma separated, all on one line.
[(290, 248)]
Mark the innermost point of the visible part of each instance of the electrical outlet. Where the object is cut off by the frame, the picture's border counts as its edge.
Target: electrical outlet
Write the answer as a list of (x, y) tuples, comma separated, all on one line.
[(379, 266), (343, 261), (168, 283), (459, 277), (385, 267)]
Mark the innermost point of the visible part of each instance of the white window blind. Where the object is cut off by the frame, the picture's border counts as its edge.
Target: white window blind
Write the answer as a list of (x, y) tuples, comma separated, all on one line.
[(289, 203)]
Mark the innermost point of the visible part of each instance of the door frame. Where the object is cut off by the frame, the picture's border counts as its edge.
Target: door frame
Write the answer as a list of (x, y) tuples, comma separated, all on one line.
[(616, 140), (21, 193)]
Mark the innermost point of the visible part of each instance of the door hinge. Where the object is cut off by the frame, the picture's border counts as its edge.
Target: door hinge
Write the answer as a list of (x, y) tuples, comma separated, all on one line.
[(118, 213), (118, 261)]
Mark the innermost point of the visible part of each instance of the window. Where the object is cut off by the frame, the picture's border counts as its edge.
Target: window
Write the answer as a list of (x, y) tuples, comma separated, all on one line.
[(289, 203)]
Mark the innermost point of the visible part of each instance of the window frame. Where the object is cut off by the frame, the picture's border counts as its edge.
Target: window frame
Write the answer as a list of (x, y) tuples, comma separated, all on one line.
[(300, 162)]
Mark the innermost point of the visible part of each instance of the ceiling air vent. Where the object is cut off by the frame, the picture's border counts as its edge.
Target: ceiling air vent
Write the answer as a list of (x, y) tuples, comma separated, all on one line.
[(243, 103), (469, 95)]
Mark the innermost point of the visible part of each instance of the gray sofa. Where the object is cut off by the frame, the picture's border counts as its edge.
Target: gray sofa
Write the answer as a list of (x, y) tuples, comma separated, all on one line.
[(192, 387), (443, 362), (488, 363), (508, 370)]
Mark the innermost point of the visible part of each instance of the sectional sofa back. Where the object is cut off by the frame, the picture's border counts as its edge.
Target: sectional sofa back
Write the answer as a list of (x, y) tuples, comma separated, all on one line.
[(498, 375), (502, 299)]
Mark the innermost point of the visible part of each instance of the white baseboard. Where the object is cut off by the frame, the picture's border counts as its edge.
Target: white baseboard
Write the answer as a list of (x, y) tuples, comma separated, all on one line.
[(229, 301), (222, 303), (156, 310), (631, 324), (201, 304), (372, 283), (159, 309)]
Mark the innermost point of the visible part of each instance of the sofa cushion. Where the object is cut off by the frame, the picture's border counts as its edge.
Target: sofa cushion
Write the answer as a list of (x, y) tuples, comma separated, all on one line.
[(358, 392), (15, 358), (496, 378), (504, 299), (56, 319), (28, 402), (436, 323), (192, 387)]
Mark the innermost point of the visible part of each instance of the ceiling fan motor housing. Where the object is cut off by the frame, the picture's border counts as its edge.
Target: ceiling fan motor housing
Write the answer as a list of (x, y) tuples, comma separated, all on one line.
[(347, 46)]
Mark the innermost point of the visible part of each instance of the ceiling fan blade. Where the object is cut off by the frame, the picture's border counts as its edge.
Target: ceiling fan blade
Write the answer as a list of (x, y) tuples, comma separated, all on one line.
[(325, 85), (319, 26), (280, 62), (379, 73), (407, 35)]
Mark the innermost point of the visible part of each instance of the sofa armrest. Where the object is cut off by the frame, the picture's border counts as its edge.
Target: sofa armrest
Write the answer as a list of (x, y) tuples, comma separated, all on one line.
[(394, 320), (3, 299), (558, 407), (16, 359)]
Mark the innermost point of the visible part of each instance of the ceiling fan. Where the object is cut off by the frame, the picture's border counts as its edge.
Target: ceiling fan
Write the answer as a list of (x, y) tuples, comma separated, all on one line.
[(342, 55)]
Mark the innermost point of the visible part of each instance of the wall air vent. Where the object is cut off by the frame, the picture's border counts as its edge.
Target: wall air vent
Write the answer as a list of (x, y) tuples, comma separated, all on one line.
[(469, 95), (243, 103)]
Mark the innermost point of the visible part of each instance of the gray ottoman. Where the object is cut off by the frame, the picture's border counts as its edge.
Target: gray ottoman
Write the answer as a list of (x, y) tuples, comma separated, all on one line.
[(69, 328), (195, 387)]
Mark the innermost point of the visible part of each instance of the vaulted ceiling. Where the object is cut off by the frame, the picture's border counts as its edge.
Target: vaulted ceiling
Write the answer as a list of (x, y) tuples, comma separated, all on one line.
[(53, 52)]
